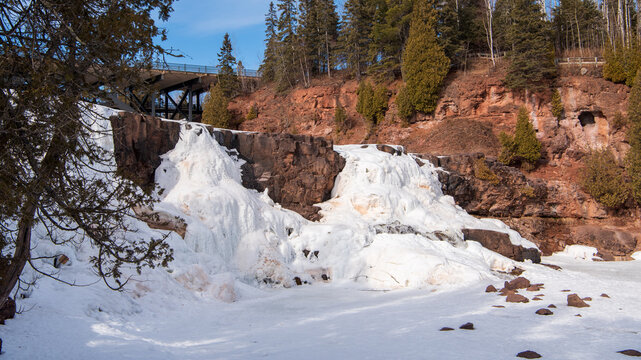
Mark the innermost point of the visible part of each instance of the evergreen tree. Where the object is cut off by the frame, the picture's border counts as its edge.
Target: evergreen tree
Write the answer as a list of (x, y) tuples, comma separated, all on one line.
[(633, 159), (602, 178), (215, 108), (355, 40), (227, 77), (318, 31), (557, 105), (522, 148), (459, 30), (270, 58), (49, 155), (424, 62), (388, 36), (288, 46), (532, 53)]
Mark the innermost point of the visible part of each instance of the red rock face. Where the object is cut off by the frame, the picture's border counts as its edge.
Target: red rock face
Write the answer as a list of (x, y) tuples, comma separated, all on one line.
[(298, 171)]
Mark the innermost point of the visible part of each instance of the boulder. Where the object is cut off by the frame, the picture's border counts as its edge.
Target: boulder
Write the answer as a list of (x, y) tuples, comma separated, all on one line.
[(490, 288), (544, 311), (446, 329), (467, 326), (630, 352), (518, 283), (516, 298), (500, 242), (529, 354), (575, 301)]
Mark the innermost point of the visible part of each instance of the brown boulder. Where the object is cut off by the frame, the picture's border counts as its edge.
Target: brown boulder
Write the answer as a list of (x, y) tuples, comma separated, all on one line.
[(630, 352), (467, 326), (518, 283), (552, 306), (500, 242), (605, 295), (490, 289), (446, 329), (544, 311), (575, 301), (516, 298), (529, 354)]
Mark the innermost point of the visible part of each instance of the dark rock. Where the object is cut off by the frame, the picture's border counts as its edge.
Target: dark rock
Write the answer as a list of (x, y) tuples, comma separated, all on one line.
[(575, 301), (611, 243), (544, 311), (630, 352), (498, 306), (500, 242), (390, 150), (605, 295), (8, 310), (325, 277), (516, 298), (587, 298), (536, 298), (298, 281), (490, 288), (533, 288), (306, 252), (566, 290), (467, 326), (529, 354), (446, 329), (552, 306), (518, 283), (138, 143), (517, 271)]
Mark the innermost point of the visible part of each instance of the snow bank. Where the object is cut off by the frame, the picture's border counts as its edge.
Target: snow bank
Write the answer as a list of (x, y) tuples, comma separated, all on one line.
[(579, 252)]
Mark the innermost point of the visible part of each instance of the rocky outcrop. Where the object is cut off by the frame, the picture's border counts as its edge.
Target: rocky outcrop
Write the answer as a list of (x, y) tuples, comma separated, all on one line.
[(500, 242), (298, 171), (551, 213), (138, 143)]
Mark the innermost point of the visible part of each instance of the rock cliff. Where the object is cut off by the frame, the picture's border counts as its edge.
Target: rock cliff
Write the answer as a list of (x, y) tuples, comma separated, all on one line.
[(298, 171)]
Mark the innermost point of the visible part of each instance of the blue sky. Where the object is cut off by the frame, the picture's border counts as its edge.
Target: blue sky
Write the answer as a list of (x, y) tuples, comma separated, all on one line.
[(196, 29)]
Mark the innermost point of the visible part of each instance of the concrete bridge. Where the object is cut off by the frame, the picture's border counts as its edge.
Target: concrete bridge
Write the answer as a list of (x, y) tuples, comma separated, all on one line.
[(177, 91)]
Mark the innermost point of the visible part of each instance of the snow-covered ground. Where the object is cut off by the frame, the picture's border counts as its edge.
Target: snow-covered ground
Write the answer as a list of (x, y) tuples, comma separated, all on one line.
[(231, 291)]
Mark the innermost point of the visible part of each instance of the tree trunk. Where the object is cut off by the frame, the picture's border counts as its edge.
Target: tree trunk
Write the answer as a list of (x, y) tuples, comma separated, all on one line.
[(12, 268)]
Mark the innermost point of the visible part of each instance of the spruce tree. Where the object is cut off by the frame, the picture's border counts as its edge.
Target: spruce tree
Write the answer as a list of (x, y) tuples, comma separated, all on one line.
[(355, 39), (633, 159), (602, 178), (270, 58), (388, 35), (227, 77), (288, 46), (522, 148), (532, 51), (424, 62), (215, 108)]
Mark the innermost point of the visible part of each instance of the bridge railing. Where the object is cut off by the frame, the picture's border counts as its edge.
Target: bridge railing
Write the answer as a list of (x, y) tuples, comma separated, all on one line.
[(198, 69)]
